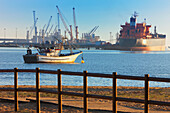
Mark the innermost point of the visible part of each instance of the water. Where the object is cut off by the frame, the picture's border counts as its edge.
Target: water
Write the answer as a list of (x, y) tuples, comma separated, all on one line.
[(157, 64)]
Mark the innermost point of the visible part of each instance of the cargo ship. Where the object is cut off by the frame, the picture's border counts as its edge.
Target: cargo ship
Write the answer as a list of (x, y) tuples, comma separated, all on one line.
[(137, 37)]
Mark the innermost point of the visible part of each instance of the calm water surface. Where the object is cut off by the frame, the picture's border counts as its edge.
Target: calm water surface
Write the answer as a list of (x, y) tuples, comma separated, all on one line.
[(157, 64)]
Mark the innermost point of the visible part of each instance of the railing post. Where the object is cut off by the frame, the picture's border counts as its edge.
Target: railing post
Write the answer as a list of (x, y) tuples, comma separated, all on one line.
[(59, 92), (146, 93), (114, 92), (85, 92), (37, 89), (16, 88)]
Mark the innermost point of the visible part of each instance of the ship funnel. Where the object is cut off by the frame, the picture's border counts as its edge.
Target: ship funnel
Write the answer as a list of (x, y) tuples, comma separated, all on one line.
[(132, 22)]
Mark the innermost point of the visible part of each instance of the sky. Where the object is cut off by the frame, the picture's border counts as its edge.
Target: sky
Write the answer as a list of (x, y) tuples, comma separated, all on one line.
[(16, 16)]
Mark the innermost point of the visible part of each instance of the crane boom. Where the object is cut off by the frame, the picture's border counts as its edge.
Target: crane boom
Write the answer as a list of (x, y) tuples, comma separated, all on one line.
[(50, 29), (95, 29), (48, 24), (44, 27), (55, 29), (63, 21)]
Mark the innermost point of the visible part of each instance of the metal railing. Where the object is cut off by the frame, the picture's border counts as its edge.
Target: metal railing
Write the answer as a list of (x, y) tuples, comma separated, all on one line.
[(85, 94)]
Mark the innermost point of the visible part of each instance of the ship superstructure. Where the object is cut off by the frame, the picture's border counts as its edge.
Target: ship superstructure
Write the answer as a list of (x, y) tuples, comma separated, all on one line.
[(137, 37)]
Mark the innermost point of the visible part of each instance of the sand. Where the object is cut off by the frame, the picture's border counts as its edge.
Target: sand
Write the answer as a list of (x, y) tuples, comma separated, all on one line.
[(75, 104)]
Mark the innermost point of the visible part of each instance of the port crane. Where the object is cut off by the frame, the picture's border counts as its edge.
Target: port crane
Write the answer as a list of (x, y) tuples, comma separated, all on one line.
[(50, 29), (55, 29), (75, 26), (35, 25), (93, 30), (44, 27), (48, 24), (62, 19), (70, 32), (29, 32)]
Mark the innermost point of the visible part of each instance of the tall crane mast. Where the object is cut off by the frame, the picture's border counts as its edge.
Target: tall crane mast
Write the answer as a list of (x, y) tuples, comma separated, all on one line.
[(35, 26), (75, 27)]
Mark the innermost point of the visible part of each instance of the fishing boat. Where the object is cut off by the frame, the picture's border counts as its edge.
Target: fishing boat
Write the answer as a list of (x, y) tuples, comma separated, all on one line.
[(51, 55)]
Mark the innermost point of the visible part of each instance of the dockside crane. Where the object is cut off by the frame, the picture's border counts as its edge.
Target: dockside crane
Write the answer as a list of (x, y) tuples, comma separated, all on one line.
[(48, 24), (50, 29), (35, 26), (62, 19), (75, 26), (70, 33), (55, 29), (29, 32), (44, 27), (93, 30)]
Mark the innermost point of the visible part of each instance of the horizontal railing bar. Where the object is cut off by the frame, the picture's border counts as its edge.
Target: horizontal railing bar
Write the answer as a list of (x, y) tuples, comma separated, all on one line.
[(48, 91), (72, 73), (159, 103), (27, 89), (129, 77), (129, 100), (6, 89), (99, 75), (99, 96), (6, 70), (155, 79), (72, 94), (27, 70), (49, 71)]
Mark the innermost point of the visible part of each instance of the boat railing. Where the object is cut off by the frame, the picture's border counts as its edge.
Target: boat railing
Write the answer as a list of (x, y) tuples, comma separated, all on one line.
[(85, 94)]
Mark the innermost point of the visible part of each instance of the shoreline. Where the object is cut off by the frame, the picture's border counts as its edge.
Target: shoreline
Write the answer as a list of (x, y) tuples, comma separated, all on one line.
[(155, 93)]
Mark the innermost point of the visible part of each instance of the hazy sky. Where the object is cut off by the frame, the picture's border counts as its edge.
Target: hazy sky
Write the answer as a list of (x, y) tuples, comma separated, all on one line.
[(107, 14)]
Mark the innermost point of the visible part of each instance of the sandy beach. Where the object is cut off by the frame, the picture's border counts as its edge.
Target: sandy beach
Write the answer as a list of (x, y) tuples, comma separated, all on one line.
[(75, 104)]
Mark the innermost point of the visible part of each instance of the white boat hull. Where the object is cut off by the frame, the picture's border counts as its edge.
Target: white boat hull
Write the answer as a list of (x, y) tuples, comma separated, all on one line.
[(51, 59)]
